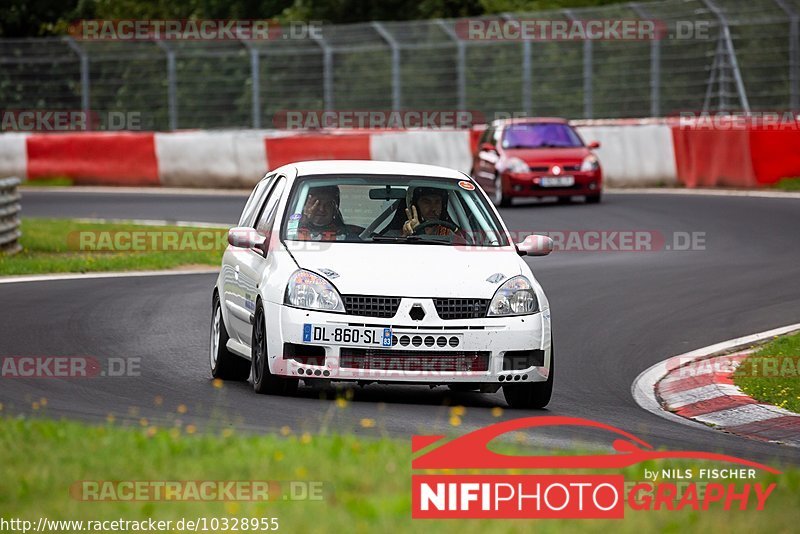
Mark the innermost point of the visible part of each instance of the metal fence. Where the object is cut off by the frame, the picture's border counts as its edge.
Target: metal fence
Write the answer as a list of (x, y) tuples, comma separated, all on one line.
[(9, 216), (749, 60)]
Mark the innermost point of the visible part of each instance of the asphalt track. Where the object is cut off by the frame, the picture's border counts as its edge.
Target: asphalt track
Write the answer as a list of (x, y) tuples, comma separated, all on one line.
[(615, 314)]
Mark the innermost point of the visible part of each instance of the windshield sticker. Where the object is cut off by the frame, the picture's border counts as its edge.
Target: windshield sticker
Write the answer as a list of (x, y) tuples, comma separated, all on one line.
[(463, 184)]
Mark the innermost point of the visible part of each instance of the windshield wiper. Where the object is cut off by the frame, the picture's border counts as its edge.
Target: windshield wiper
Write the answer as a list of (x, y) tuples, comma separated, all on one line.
[(407, 239)]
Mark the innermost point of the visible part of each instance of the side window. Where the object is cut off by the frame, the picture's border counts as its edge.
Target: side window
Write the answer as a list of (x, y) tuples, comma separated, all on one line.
[(496, 134), (267, 216), (255, 200)]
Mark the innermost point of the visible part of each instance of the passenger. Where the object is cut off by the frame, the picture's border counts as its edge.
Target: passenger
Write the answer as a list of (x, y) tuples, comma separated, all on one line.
[(321, 219)]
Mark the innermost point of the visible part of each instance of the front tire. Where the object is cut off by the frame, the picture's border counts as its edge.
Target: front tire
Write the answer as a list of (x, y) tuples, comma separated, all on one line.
[(498, 198), (224, 364), (534, 395), (264, 382)]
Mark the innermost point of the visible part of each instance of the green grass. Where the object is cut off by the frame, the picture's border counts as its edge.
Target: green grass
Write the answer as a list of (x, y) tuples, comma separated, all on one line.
[(54, 246), (367, 481), (55, 181), (788, 184), (772, 374)]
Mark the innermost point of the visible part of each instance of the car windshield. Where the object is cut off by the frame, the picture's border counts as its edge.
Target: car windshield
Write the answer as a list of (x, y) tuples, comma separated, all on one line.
[(541, 135), (390, 209)]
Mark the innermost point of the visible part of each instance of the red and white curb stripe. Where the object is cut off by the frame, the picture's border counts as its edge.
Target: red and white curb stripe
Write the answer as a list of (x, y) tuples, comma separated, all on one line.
[(697, 389)]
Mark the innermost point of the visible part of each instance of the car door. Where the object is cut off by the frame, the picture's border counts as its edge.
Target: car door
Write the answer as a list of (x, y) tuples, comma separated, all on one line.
[(232, 297), (253, 263)]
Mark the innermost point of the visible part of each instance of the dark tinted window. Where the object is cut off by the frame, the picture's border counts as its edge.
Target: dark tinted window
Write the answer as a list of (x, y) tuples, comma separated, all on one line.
[(541, 135)]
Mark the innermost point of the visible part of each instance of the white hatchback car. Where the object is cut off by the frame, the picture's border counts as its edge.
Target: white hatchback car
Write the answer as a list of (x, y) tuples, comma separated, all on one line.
[(369, 271)]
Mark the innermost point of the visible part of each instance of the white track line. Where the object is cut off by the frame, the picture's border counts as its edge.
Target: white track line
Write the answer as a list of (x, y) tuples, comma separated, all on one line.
[(99, 189), (756, 193), (91, 276), (154, 222), (643, 388)]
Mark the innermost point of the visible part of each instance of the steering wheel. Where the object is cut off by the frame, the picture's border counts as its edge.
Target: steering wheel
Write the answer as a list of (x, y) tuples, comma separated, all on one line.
[(434, 222)]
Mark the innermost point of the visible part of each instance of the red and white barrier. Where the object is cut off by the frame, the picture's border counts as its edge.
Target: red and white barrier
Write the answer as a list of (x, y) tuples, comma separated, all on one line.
[(446, 148), (122, 158), (210, 159), (633, 153), (13, 155)]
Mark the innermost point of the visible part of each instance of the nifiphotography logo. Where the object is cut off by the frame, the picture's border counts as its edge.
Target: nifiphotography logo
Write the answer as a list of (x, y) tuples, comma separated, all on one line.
[(440, 493)]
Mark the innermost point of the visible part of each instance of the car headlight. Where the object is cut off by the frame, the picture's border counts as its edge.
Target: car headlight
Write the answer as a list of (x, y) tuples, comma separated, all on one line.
[(590, 163), (515, 297), (516, 165), (312, 292)]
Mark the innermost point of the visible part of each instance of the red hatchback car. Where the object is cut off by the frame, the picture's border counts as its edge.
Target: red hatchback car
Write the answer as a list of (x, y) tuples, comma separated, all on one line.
[(536, 157)]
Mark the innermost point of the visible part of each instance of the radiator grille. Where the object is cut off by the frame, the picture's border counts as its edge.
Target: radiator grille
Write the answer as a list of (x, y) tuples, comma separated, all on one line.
[(369, 306), (461, 308)]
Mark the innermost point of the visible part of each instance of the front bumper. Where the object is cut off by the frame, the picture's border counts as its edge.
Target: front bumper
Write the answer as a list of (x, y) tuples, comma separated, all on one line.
[(528, 184), (500, 341)]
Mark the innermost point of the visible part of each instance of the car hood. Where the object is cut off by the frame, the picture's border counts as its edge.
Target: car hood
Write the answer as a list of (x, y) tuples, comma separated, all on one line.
[(549, 155), (408, 270)]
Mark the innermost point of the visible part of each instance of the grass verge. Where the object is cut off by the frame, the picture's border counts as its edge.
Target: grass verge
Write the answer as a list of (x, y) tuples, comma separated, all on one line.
[(788, 184), (67, 246), (772, 374), (55, 181), (367, 481)]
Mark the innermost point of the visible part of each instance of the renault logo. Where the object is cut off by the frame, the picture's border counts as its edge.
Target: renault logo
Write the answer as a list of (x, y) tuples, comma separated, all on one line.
[(416, 312)]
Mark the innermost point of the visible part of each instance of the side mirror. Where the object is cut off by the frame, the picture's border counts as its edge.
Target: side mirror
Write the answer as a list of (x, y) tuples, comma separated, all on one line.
[(245, 237), (594, 144), (535, 245), (487, 147)]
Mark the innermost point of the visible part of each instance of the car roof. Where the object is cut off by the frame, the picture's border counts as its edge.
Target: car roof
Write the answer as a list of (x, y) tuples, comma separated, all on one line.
[(530, 120), (306, 168)]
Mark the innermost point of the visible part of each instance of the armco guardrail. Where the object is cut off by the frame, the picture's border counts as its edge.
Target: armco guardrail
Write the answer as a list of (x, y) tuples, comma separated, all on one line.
[(9, 216), (721, 55)]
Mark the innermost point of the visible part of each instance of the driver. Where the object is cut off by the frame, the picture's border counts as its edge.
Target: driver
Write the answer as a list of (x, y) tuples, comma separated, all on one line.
[(426, 204), (321, 219)]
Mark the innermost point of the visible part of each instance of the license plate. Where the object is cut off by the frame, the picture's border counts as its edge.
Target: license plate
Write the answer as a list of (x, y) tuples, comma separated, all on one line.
[(354, 336), (557, 181)]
